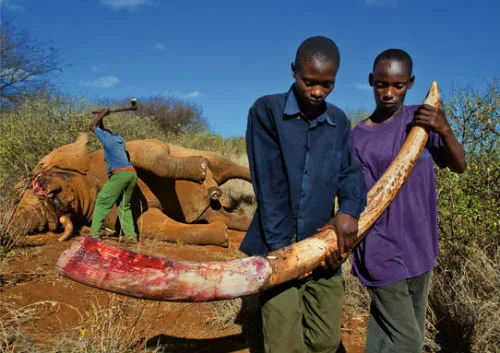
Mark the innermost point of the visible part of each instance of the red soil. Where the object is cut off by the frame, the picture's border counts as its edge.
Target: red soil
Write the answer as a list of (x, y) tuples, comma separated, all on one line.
[(58, 309)]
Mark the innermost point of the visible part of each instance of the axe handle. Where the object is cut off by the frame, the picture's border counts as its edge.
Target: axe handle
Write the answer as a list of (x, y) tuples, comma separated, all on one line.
[(119, 110)]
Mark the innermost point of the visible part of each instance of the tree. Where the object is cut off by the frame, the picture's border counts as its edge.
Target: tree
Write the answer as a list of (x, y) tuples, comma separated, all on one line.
[(469, 205), (173, 115), (25, 65)]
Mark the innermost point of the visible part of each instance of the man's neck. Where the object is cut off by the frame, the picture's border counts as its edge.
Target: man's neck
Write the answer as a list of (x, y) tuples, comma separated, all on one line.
[(311, 113), (380, 117)]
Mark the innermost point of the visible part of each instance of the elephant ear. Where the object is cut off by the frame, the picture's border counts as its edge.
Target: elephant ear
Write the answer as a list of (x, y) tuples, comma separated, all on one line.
[(68, 157)]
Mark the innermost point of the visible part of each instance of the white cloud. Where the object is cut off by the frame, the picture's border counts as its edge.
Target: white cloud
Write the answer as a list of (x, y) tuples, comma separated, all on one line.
[(126, 4), (178, 95), (190, 95), (98, 67), (361, 86), (101, 82), (158, 47)]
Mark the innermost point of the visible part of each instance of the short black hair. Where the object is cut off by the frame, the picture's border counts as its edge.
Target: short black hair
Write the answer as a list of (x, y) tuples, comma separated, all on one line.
[(394, 54), (321, 48)]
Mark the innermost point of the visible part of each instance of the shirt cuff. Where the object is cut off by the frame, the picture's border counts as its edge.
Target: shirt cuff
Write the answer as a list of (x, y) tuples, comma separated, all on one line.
[(350, 207)]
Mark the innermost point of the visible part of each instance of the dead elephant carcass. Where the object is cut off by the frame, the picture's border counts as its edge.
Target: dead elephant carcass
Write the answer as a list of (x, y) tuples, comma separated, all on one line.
[(177, 197)]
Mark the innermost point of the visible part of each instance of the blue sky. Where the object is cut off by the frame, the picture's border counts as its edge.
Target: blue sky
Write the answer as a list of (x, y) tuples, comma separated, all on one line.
[(222, 55)]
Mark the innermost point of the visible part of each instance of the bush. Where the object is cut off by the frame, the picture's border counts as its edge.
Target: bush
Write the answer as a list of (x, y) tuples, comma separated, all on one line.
[(173, 115), (32, 130), (465, 290)]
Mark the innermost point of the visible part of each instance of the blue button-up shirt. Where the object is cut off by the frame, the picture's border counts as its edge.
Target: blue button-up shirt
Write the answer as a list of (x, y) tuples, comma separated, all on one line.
[(298, 169)]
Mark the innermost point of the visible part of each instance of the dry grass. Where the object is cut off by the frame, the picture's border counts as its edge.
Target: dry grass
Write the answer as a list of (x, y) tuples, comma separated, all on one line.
[(225, 312), (465, 301), (113, 327), (357, 299)]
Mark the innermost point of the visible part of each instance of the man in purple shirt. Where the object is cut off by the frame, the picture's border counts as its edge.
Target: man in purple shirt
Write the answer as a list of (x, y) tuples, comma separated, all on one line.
[(397, 256)]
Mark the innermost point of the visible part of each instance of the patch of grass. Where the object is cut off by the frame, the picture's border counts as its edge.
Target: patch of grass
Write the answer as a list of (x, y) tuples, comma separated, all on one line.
[(225, 312), (465, 301), (113, 327), (357, 299)]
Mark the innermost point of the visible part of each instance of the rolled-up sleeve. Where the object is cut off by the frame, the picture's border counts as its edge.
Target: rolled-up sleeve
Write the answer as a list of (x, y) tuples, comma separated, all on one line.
[(352, 187), (269, 179), (102, 136)]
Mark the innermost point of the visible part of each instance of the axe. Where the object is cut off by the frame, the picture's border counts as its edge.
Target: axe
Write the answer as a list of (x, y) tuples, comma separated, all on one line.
[(133, 106)]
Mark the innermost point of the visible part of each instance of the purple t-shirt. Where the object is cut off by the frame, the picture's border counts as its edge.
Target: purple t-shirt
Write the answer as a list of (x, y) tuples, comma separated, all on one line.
[(403, 242)]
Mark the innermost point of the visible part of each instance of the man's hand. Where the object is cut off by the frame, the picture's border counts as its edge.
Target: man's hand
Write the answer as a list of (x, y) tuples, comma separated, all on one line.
[(346, 227), (98, 120), (432, 119)]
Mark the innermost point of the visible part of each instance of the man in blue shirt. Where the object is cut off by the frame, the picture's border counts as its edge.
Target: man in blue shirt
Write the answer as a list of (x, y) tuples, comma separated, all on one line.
[(121, 182), (300, 162)]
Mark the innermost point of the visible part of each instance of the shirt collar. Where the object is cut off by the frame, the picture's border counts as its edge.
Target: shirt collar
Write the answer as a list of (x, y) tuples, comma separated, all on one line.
[(292, 110)]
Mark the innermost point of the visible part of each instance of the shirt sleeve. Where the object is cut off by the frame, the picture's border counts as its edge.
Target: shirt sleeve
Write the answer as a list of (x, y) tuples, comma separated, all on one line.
[(269, 179), (435, 145), (101, 135), (352, 188)]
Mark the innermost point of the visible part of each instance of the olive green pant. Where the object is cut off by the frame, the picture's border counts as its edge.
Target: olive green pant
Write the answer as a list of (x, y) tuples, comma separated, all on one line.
[(119, 187), (304, 316), (397, 316)]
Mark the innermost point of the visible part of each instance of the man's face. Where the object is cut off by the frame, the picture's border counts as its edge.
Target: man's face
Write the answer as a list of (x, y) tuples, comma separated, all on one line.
[(391, 79), (314, 80)]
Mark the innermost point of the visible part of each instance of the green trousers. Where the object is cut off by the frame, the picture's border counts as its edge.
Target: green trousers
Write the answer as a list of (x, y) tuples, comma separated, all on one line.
[(303, 316), (397, 316), (119, 188)]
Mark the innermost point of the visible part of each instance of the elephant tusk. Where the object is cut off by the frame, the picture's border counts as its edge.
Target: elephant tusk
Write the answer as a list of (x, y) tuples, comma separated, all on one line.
[(100, 265), (68, 227)]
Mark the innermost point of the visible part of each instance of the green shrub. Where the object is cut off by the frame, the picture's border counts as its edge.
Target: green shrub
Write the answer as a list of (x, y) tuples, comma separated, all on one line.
[(465, 290)]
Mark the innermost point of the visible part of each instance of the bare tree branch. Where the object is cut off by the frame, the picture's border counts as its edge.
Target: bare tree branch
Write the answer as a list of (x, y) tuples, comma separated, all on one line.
[(25, 65)]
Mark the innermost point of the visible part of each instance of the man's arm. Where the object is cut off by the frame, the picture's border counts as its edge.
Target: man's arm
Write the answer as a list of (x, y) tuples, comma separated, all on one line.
[(269, 180), (352, 201), (98, 121), (435, 120)]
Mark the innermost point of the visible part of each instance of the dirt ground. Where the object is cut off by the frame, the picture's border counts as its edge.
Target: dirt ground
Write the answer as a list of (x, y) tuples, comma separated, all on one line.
[(43, 309)]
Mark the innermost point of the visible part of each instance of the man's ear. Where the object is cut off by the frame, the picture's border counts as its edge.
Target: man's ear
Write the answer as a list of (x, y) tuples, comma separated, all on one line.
[(411, 82), (294, 70), (370, 79)]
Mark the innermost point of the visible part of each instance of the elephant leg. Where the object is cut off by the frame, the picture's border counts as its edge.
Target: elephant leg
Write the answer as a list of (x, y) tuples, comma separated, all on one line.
[(233, 220), (222, 167), (154, 224), (154, 156), (229, 170), (188, 168)]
